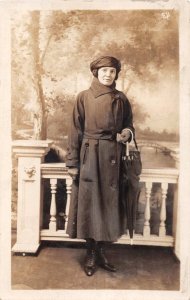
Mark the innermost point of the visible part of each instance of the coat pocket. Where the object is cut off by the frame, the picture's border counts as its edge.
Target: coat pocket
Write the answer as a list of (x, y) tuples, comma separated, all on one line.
[(89, 162), (85, 153)]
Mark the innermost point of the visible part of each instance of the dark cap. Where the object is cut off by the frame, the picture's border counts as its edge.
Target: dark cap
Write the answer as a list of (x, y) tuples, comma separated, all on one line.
[(106, 61)]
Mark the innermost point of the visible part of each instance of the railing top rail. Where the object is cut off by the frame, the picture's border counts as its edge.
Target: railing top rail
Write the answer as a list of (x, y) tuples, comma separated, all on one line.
[(54, 170), (169, 175), (59, 170), (53, 165), (31, 143)]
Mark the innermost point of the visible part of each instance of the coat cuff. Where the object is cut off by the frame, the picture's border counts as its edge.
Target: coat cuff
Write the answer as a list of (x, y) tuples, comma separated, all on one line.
[(72, 164)]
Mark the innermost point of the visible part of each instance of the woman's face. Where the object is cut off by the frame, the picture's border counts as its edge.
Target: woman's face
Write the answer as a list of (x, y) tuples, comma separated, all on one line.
[(106, 75)]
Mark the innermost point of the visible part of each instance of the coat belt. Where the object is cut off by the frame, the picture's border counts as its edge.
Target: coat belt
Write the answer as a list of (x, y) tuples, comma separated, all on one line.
[(105, 136)]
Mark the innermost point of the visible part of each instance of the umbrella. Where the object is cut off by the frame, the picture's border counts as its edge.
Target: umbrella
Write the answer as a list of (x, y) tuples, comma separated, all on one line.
[(131, 169)]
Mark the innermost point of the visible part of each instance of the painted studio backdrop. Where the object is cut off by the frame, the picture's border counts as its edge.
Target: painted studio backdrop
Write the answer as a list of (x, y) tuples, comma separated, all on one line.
[(51, 53)]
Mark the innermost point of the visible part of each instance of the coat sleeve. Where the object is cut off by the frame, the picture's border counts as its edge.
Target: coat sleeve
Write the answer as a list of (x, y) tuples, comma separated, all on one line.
[(128, 116), (76, 133)]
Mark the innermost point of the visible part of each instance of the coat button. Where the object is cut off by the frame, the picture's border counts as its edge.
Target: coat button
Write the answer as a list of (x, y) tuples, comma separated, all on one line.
[(114, 186), (113, 161)]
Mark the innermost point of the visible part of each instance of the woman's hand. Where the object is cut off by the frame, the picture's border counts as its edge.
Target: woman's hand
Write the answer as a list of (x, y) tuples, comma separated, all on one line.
[(73, 172), (125, 135)]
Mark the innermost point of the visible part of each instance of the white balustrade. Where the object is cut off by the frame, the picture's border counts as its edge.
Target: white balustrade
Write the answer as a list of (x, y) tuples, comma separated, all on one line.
[(30, 172), (162, 228), (57, 171), (148, 177), (68, 187), (146, 230), (53, 211)]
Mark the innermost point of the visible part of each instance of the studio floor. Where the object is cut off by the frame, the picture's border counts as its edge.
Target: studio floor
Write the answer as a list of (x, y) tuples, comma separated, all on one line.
[(58, 265)]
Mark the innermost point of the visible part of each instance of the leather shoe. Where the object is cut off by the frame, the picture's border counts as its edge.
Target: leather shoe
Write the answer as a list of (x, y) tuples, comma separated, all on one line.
[(103, 261), (108, 267), (90, 262)]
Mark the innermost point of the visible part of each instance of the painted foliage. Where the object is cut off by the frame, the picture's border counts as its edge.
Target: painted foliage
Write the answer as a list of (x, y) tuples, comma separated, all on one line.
[(51, 52)]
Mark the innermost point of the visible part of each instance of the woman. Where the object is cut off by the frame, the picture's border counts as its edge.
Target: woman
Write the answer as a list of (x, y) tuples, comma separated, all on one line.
[(102, 121)]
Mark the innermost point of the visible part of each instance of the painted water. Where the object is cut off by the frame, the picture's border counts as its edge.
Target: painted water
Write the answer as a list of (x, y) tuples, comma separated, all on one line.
[(156, 159)]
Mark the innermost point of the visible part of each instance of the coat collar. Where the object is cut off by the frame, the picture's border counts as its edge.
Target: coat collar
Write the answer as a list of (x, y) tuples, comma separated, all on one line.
[(99, 89)]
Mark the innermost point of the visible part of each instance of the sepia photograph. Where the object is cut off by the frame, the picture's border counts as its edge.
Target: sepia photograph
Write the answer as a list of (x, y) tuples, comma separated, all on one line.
[(98, 149)]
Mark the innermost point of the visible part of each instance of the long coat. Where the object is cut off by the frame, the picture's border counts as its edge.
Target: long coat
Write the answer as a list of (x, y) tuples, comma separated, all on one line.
[(96, 209)]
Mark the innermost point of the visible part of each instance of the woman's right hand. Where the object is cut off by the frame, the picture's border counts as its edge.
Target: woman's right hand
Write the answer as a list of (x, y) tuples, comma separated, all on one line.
[(73, 172)]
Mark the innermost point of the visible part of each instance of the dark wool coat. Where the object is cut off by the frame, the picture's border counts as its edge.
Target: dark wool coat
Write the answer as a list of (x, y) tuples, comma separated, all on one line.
[(96, 209)]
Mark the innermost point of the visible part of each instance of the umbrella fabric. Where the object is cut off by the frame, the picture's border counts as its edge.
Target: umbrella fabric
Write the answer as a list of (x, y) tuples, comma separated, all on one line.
[(131, 169)]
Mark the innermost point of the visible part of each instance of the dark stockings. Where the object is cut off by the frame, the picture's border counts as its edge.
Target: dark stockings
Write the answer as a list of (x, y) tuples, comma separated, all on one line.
[(90, 259), (95, 256)]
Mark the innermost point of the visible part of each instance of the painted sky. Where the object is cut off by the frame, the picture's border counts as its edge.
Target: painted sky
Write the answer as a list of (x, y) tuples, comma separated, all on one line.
[(155, 79), (145, 41)]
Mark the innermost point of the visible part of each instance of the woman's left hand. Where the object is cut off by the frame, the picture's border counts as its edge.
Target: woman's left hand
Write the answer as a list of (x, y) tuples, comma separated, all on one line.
[(125, 135)]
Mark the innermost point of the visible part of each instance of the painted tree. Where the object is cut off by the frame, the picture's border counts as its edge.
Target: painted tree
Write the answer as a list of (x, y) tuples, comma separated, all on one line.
[(53, 51), (29, 58), (44, 30)]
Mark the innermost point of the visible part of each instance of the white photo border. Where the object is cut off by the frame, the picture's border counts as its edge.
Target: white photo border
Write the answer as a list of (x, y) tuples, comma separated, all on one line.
[(6, 7)]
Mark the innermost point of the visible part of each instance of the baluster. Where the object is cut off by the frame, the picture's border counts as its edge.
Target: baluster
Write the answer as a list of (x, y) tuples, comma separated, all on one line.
[(146, 229), (162, 227), (53, 211), (68, 187)]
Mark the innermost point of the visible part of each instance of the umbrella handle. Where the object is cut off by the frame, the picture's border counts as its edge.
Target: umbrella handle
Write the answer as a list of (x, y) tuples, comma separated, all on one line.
[(127, 149), (133, 140)]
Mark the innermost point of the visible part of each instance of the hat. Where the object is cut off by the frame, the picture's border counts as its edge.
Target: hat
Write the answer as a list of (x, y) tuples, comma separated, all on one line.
[(106, 61)]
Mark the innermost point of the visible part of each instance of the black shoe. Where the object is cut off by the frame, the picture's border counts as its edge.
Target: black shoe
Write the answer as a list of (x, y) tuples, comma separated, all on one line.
[(90, 262), (108, 267), (103, 261)]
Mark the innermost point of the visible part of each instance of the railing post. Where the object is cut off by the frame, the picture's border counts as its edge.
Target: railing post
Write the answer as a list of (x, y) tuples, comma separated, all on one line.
[(53, 209), (162, 227), (69, 187), (146, 230), (30, 154)]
